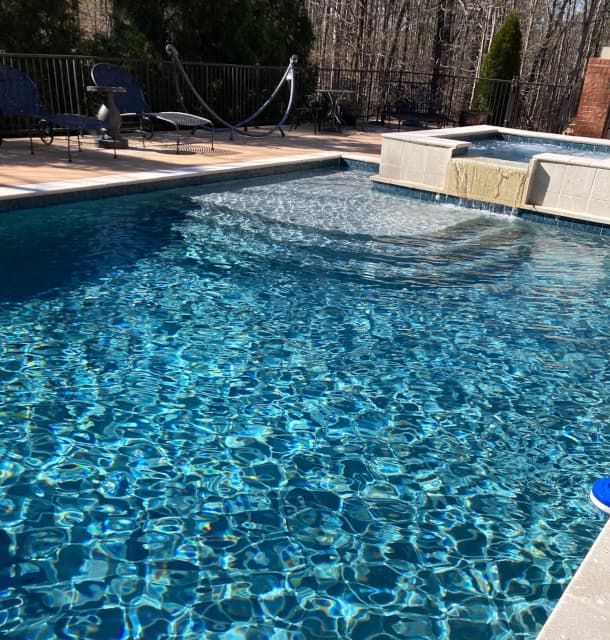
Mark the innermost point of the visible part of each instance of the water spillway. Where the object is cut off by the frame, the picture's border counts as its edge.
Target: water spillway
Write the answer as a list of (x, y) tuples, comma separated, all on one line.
[(487, 180)]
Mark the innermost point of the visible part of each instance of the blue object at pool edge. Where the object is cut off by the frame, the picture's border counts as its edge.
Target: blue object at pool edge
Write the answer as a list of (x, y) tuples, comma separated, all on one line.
[(600, 494)]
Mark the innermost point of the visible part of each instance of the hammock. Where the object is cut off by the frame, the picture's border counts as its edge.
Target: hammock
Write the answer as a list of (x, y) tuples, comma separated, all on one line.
[(240, 127)]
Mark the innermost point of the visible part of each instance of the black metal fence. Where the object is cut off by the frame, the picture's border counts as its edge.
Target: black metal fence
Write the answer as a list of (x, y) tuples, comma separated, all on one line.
[(522, 105), (236, 91), (233, 91)]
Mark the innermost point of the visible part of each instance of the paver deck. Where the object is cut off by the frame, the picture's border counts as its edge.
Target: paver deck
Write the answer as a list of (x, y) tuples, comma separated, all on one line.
[(50, 163)]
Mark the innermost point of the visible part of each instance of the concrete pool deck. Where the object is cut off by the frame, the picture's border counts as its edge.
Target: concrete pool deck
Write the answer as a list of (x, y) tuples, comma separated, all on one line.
[(584, 609), (583, 612), (23, 175)]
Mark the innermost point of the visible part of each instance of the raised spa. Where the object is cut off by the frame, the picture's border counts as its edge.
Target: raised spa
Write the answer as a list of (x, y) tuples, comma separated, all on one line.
[(548, 173)]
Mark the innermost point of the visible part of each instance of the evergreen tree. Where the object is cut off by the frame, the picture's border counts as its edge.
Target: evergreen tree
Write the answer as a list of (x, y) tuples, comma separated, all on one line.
[(233, 31), (502, 62), (39, 26)]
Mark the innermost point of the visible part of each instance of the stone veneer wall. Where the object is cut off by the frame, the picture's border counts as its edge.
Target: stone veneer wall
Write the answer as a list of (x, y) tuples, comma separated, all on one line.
[(594, 107)]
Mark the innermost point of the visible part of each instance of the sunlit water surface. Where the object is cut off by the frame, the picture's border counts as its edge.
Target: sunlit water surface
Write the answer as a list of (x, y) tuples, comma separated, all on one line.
[(523, 151), (294, 411)]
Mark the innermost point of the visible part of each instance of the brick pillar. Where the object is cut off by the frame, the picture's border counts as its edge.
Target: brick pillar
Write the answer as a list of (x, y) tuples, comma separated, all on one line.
[(594, 106)]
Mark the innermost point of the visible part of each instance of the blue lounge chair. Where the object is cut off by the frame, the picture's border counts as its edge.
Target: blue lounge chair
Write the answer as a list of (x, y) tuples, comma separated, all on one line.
[(133, 103), (19, 98)]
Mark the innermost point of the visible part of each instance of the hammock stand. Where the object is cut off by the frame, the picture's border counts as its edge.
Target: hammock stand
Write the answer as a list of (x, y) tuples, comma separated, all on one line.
[(289, 76)]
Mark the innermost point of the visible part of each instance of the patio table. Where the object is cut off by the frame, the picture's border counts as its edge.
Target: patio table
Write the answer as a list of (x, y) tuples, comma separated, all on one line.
[(111, 117), (334, 111)]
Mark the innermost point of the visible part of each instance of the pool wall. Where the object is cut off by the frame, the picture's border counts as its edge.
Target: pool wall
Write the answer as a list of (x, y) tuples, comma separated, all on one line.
[(551, 184), (570, 184)]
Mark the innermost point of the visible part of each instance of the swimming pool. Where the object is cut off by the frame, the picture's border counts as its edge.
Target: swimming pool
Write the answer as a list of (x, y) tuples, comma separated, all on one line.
[(304, 409)]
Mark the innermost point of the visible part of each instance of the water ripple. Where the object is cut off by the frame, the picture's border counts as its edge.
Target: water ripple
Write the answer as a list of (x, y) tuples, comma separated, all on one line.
[(239, 415)]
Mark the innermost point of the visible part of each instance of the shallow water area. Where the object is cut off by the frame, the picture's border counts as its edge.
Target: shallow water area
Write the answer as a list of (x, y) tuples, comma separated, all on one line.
[(301, 409)]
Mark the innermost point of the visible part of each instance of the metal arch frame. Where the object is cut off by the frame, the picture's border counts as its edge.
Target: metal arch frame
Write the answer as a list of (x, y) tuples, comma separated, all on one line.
[(289, 76)]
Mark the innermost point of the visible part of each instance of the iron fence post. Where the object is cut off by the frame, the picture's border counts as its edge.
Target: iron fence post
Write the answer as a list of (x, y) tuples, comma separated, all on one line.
[(512, 101)]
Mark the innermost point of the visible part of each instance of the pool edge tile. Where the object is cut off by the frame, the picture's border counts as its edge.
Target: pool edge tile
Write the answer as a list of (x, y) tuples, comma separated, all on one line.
[(582, 612), (51, 193)]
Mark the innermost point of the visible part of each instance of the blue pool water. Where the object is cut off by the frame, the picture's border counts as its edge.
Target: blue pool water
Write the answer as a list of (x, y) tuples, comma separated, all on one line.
[(295, 410), (523, 150)]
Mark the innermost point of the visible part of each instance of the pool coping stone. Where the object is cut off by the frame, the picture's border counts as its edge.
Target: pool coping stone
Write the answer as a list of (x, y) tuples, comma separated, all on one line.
[(27, 196)]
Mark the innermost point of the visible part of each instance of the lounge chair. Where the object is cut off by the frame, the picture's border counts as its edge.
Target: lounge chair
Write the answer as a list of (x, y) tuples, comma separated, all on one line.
[(19, 98), (418, 113), (133, 103), (310, 111)]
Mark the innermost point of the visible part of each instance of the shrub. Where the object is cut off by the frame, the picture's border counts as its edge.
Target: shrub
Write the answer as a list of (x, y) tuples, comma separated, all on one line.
[(502, 62)]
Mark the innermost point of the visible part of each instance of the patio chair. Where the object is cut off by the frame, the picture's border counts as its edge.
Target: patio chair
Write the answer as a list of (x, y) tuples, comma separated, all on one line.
[(133, 103), (418, 112), (19, 98), (310, 111)]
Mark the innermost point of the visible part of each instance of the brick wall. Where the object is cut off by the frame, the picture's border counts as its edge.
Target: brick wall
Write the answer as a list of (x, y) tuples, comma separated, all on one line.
[(594, 106)]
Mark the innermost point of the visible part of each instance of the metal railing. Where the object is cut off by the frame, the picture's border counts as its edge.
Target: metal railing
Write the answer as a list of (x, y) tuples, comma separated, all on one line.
[(236, 91), (510, 103)]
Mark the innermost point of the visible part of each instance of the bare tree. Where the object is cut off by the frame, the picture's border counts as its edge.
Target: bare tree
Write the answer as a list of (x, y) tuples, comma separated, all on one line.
[(453, 36)]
